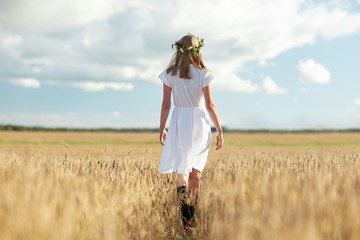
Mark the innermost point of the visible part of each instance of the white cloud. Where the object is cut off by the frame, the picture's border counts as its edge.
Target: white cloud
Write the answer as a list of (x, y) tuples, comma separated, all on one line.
[(90, 42), (303, 90), (277, 25), (26, 82), (357, 101), (310, 71), (116, 114), (80, 120), (100, 86), (225, 79), (36, 70), (11, 44), (66, 120), (271, 88), (237, 84), (52, 83), (349, 110), (262, 63), (48, 16)]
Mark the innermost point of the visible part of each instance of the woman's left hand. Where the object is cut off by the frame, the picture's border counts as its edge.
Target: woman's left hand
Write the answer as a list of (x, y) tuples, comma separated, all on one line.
[(163, 136)]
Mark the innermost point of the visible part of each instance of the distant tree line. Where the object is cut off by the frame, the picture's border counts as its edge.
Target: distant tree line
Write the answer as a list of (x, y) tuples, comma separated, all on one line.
[(225, 129), (64, 129)]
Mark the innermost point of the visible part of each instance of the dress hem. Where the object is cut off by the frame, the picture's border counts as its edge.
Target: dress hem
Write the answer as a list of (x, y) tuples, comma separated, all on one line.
[(178, 172)]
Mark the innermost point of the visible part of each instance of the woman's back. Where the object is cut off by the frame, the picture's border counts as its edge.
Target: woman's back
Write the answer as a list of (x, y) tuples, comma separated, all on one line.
[(189, 139), (188, 92)]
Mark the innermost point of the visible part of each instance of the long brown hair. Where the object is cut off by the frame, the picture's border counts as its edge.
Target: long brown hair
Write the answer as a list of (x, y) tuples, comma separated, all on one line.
[(181, 61)]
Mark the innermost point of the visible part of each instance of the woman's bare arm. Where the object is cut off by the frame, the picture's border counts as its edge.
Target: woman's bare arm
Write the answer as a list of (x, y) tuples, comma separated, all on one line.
[(165, 108), (210, 106)]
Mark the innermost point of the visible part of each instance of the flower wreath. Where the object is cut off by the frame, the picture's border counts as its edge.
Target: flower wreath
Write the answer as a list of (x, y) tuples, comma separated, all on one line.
[(183, 48)]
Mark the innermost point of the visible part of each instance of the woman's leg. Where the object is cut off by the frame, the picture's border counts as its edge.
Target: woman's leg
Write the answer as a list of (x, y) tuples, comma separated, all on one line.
[(187, 212), (181, 180), (193, 187), (194, 180)]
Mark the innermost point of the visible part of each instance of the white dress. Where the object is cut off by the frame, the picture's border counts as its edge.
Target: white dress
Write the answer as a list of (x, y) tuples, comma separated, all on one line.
[(189, 135)]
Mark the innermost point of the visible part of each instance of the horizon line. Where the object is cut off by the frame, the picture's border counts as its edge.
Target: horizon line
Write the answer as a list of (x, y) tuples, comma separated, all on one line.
[(11, 127)]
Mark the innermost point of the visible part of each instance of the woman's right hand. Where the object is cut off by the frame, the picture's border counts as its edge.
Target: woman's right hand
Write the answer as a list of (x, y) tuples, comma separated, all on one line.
[(219, 140), (163, 136)]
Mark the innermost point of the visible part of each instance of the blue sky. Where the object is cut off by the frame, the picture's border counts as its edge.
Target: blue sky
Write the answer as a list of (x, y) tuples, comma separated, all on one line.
[(278, 64)]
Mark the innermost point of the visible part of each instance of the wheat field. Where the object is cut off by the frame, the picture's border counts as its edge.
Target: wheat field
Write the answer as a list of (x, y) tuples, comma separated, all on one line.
[(84, 185)]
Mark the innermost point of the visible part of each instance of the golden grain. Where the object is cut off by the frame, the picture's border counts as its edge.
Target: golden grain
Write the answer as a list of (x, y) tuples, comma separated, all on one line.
[(53, 189)]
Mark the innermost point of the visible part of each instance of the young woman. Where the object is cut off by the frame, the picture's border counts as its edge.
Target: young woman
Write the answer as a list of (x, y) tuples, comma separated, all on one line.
[(187, 143)]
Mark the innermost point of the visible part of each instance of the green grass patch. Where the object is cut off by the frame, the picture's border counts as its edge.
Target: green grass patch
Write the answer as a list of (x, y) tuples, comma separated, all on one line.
[(289, 144), (228, 142)]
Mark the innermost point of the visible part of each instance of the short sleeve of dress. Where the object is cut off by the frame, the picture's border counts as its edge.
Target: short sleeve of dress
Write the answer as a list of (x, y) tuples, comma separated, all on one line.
[(164, 77), (207, 79)]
